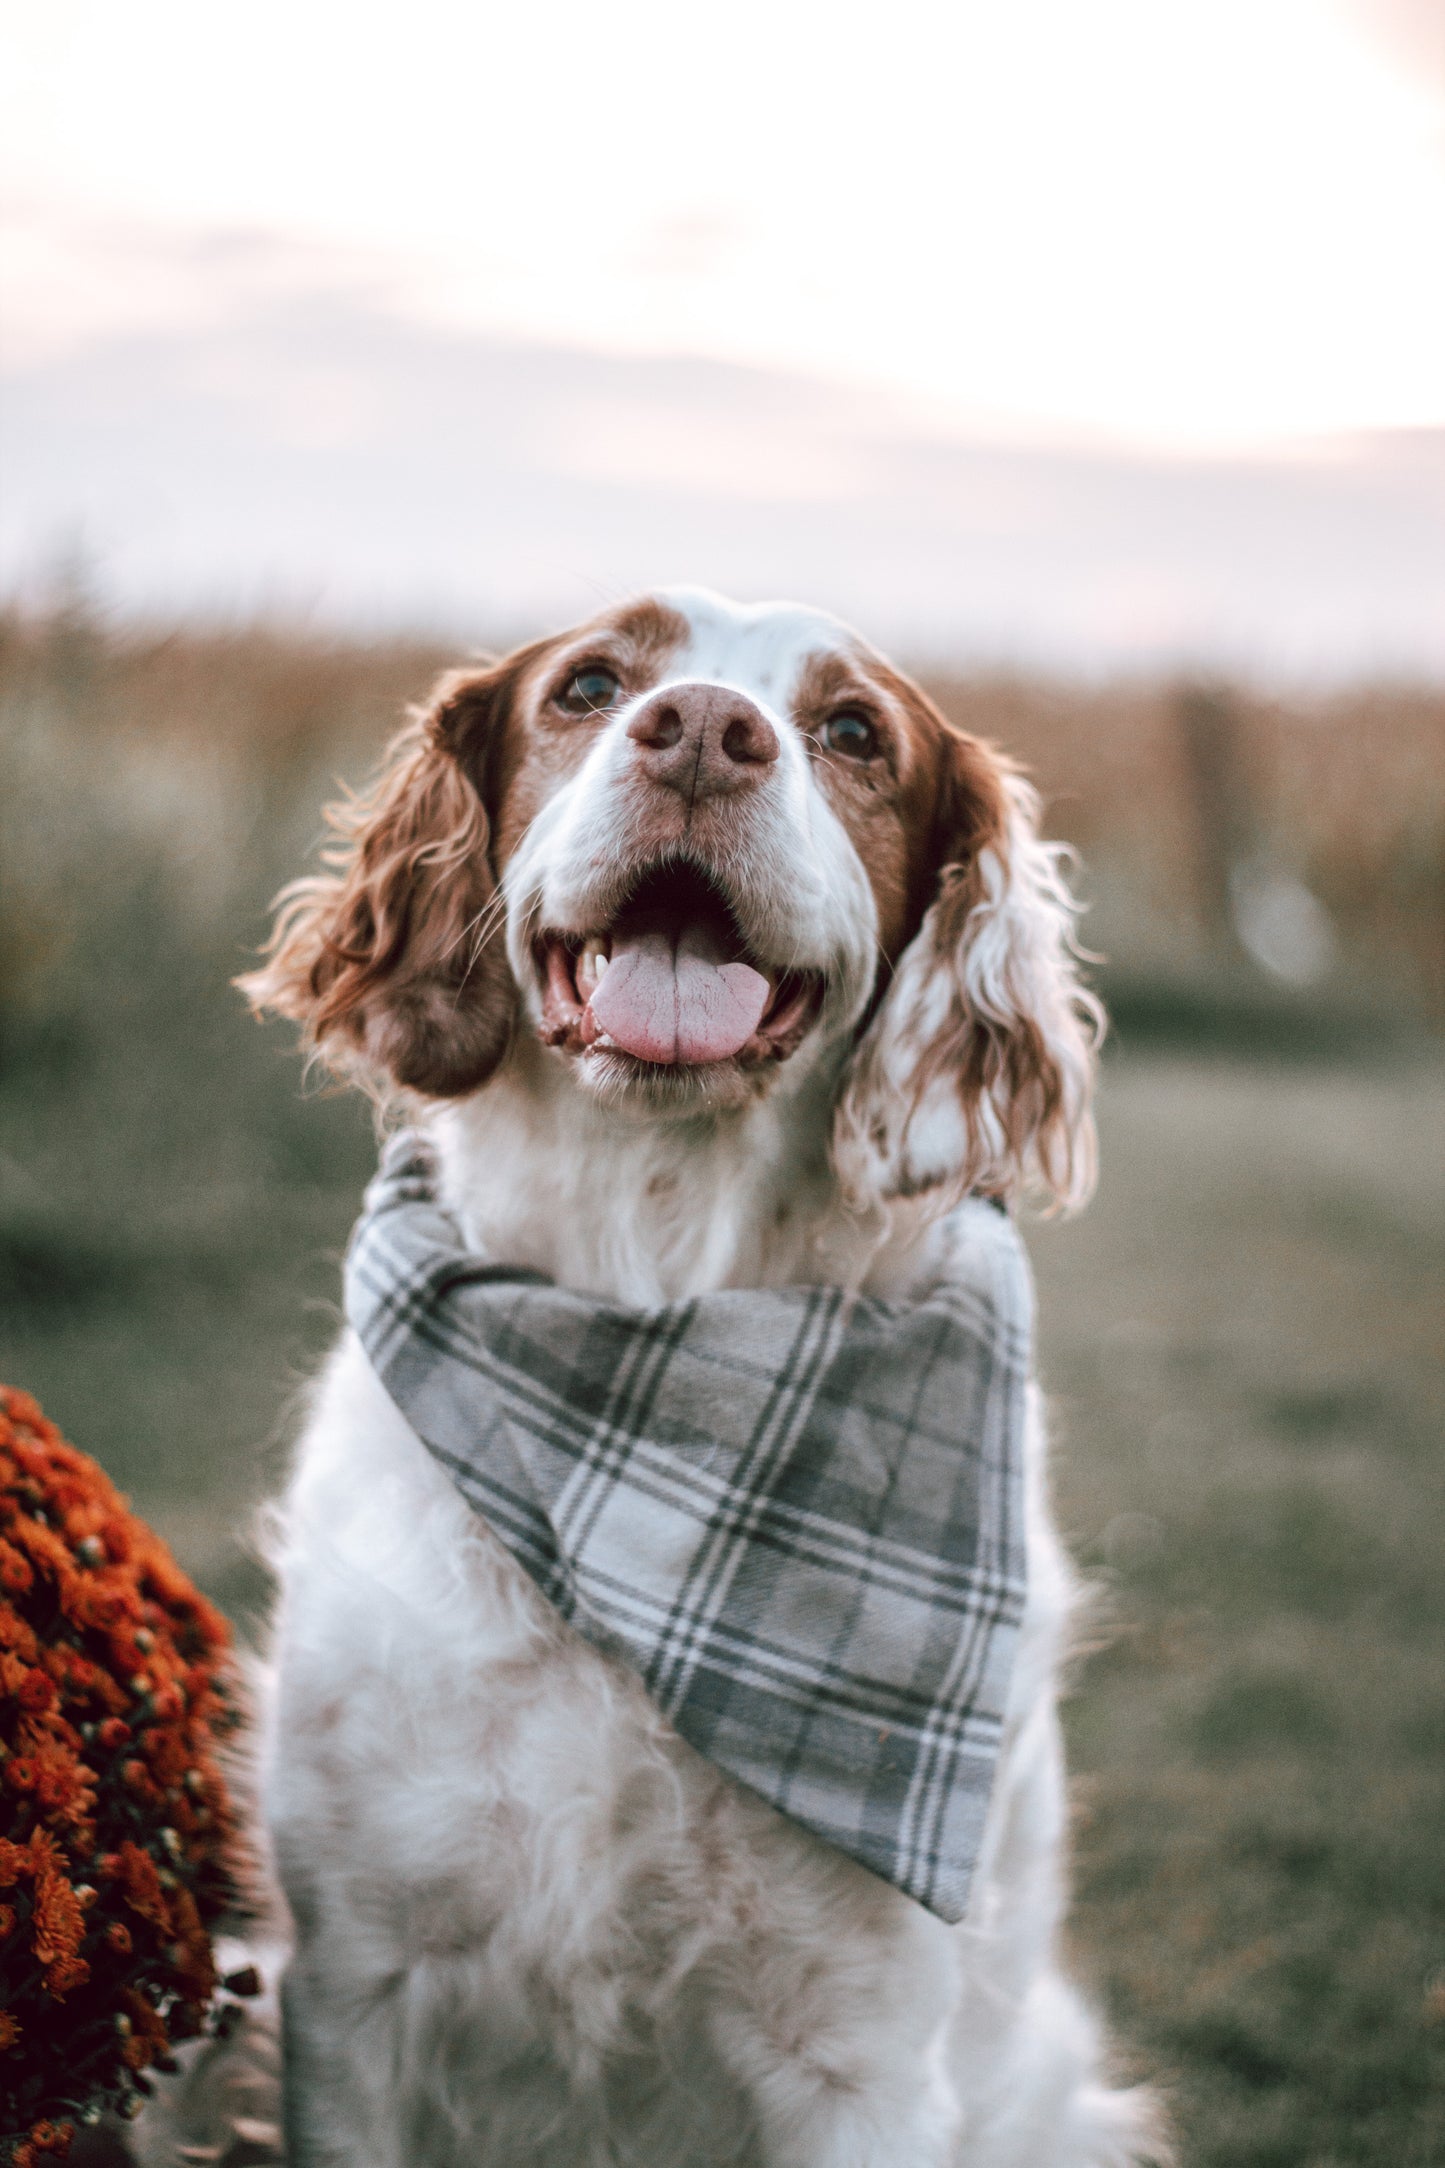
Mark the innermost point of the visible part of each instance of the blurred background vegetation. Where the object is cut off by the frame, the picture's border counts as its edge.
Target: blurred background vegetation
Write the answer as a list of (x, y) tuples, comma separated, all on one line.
[(1242, 1336)]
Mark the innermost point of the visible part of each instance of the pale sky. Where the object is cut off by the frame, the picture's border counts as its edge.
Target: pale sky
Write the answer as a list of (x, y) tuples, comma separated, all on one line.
[(1189, 224)]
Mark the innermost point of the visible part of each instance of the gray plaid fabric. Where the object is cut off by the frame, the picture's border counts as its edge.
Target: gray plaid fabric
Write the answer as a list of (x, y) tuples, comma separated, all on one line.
[(796, 1514)]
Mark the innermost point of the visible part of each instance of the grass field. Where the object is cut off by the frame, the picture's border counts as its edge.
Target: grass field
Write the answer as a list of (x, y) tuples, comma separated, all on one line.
[(1242, 1338)]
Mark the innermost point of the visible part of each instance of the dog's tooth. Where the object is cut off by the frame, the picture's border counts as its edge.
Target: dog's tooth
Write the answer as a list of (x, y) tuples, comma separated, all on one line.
[(591, 964)]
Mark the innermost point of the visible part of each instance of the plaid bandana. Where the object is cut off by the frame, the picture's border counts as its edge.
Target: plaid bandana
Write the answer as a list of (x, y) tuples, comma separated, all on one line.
[(796, 1514)]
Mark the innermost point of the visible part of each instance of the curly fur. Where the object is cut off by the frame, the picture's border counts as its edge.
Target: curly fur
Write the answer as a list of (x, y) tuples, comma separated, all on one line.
[(977, 1072), (529, 1926), (390, 960)]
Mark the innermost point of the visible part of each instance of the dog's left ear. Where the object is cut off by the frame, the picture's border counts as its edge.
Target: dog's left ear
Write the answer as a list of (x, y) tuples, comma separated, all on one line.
[(977, 1069), (392, 959)]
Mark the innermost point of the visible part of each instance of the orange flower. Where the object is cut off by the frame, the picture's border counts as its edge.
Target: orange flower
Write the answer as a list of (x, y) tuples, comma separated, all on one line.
[(46, 1855), (192, 1952), (90, 1601), (63, 1975), (112, 1693), (136, 1872), (167, 1752), (116, 1534), (45, 1548), (37, 1693), (170, 1703), (16, 1572), (136, 1779), (51, 2138), (16, 1634), (62, 1786), (59, 1923)]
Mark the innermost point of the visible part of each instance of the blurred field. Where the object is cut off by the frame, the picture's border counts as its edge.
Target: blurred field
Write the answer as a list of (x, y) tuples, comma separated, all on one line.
[(1242, 1336)]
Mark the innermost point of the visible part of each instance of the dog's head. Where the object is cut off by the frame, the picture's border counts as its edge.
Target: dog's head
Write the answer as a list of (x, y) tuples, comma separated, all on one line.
[(699, 850)]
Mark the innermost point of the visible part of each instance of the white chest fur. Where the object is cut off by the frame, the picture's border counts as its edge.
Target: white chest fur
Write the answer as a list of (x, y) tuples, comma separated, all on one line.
[(531, 1926)]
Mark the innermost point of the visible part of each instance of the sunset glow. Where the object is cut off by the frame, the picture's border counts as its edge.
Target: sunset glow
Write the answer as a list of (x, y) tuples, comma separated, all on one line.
[(1189, 226)]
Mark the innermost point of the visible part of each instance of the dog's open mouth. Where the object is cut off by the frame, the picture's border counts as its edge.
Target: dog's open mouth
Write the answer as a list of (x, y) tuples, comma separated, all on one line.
[(671, 982)]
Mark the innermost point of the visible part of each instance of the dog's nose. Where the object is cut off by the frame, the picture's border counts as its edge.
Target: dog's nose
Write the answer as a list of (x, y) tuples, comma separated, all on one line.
[(703, 740)]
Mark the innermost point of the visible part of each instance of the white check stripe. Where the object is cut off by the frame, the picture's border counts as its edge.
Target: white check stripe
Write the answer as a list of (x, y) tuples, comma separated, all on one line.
[(797, 1515)]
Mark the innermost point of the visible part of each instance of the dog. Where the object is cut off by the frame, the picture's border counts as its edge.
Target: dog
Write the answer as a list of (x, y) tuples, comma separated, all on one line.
[(708, 955)]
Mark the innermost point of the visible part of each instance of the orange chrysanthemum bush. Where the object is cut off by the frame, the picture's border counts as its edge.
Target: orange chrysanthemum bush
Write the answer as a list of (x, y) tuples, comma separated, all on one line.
[(116, 1832)]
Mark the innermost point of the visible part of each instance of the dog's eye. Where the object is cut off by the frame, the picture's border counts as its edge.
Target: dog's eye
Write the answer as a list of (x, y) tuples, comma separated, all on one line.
[(851, 734), (589, 691)]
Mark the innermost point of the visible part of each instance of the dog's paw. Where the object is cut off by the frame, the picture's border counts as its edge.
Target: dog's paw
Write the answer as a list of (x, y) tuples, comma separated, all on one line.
[(222, 2108)]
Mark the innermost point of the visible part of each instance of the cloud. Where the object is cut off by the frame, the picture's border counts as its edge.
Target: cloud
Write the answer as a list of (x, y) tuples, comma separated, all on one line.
[(1206, 223), (303, 439)]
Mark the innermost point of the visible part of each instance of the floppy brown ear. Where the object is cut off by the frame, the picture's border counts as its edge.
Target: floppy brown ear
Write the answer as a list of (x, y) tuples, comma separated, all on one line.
[(976, 1071), (394, 959)]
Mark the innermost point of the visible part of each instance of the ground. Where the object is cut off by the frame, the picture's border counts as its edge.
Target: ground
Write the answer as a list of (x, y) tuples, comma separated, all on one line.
[(1241, 1338)]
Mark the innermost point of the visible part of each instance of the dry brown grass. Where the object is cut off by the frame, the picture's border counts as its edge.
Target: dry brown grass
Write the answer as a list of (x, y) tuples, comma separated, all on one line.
[(1242, 1332), (215, 748), (1344, 790)]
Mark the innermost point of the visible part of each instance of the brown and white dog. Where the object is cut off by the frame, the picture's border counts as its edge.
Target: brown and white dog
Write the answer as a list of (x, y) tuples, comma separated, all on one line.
[(712, 957)]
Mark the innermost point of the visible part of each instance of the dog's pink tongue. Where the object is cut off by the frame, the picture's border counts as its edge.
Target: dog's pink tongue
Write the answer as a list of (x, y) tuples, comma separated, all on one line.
[(685, 1004)]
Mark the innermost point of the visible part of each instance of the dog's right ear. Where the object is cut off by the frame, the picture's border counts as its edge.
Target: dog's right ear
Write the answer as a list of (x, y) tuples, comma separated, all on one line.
[(977, 1070), (394, 959)]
